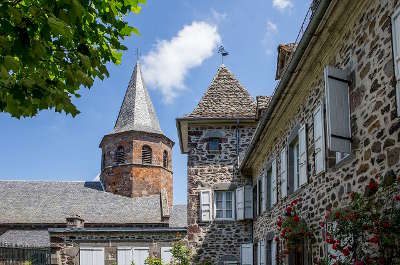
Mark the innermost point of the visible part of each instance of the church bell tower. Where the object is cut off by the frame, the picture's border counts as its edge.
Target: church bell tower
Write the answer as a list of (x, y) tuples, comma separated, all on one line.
[(136, 155)]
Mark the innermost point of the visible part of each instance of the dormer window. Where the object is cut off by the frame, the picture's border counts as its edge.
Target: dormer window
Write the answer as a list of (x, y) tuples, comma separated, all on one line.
[(120, 155), (165, 159), (147, 155), (213, 144)]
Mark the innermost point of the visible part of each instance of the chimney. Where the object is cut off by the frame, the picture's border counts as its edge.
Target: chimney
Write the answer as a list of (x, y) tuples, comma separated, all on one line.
[(285, 52), (75, 221)]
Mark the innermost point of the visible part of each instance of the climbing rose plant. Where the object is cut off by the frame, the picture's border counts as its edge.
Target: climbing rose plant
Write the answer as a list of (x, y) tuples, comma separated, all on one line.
[(367, 231), (292, 229)]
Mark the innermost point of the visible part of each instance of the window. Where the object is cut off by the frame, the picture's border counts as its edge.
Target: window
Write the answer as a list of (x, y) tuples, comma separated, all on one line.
[(294, 165), (269, 188), (224, 205), (91, 256), (165, 159), (120, 155), (396, 53), (166, 255), (146, 155), (319, 140), (213, 144), (244, 203), (297, 159)]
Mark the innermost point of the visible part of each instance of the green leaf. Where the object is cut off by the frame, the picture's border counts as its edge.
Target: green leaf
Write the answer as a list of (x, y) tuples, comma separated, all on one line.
[(117, 56)]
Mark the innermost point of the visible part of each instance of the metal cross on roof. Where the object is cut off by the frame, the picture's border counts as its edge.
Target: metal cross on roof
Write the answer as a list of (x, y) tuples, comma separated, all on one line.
[(223, 52)]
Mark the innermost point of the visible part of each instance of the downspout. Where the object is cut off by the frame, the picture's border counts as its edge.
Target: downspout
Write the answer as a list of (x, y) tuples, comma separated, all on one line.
[(305, 40), (237, 145)]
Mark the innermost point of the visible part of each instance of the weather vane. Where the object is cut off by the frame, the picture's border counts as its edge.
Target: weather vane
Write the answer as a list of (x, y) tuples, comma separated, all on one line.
[(223, 52)]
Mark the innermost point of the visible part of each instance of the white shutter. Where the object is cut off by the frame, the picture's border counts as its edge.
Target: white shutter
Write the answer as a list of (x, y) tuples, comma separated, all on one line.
[(284, 172), (258, 253), (319, 140), (91, 256), (140, 255), (263, 201), (396, 53), (273, 252), (337, 110), (85, 257), (258, 197), (302, 155), (124, 256), (205, 205), (263, 252), (240, 203), (166, 255), (248, 202), (246, 254), (274, 194)]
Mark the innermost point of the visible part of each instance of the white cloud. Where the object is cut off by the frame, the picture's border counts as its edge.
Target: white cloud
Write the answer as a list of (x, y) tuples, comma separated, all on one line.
[(282, 4), (272, 28), (217, 16), (165, 66)]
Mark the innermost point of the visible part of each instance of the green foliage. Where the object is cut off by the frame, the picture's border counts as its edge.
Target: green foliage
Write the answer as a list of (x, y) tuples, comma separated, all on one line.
[(181, 254), (49, 49), (27, 262), (367, 231), (153, 261)]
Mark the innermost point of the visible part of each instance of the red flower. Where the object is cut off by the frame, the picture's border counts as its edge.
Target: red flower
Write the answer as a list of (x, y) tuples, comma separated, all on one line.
[(398, 178), (289, 210), (330, 241), (377, 176), (373, 240), (355, 215), (296, 218), (334, 247), (322, 224), (345, 252), (397, 197), (293, 202), (337, 215), (386, 224), (372, 185)]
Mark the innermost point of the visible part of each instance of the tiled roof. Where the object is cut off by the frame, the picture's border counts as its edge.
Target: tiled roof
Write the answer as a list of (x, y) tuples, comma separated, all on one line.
[(32, 238), (52, 202), (137, 112), (178, 216), (225, 98), (263, 101)]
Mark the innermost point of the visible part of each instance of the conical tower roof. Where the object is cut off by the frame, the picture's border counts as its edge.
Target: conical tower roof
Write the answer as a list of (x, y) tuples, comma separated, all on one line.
[(225, 98), (137, 111)]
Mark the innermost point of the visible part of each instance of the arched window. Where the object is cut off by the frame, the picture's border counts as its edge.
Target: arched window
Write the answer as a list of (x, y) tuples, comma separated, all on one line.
[(146, 155), (120, 155), (165, 159)]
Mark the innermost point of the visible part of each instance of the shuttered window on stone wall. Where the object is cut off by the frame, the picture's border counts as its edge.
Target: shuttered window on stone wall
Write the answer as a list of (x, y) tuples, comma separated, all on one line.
[(224, 205), (120, 155), (205, 205), (302, 155), (338, 131), (284, 171), (147, 155), (274, 192), (319, 140), (396, 53), (246, 254)]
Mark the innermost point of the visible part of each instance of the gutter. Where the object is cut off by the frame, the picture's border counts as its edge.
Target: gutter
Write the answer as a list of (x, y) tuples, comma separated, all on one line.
[(298, 54), (121, 229)]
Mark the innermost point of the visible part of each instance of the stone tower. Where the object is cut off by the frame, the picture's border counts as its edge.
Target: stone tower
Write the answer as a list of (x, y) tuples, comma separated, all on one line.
[(136, 155), (214, 136)]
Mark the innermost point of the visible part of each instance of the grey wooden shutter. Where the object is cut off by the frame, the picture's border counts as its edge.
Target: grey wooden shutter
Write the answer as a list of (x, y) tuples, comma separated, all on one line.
[(240, 203), (302, 155), (337, 110), (319, 140), (284, 172), (258, 198), (263, 252), (396, 53), (248, 202), (205, 206), (246, 254), (274, 193), (263, 186), (273, 252)]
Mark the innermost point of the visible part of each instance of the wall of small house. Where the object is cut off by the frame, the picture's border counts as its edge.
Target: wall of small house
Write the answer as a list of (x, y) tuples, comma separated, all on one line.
[(65, 247), (215, 241), (362, 44)]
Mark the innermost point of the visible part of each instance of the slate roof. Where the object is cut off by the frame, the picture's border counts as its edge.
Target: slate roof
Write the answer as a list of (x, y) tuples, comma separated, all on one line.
[(32, 238), (178, 216), (51, 202), (137, 112), (263, 102), (225, 98)]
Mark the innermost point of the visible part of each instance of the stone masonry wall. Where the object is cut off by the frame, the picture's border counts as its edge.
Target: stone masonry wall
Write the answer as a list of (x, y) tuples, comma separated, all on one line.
[(133, 179), (366, 49), (65, 247), (215, 241)]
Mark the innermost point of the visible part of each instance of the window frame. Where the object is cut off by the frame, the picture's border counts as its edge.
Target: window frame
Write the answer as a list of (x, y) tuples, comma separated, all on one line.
[(224, 205), (120, 155), (216, 142), (150, 150), (165, 159)]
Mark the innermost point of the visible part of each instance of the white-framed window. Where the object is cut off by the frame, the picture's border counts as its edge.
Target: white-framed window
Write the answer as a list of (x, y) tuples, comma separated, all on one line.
[(224, 205), (298, 160), (91, 256), (319, 139), (396, 53), (340, 156), (294, 164)]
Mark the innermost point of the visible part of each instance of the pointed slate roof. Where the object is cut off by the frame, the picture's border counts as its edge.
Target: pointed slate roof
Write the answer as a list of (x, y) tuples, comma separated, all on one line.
[(137, 111), (225, 98)]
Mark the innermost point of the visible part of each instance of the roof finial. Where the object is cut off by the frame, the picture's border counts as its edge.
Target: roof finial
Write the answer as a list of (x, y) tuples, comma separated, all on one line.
[(137, 54), (223, 52)]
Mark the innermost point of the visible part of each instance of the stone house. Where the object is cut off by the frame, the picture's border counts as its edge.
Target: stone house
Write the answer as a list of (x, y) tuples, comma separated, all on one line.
[(332, 123), (126, 216)]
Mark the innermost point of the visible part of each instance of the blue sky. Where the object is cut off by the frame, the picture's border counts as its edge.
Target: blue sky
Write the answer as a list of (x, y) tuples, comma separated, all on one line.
[(178, 44)]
